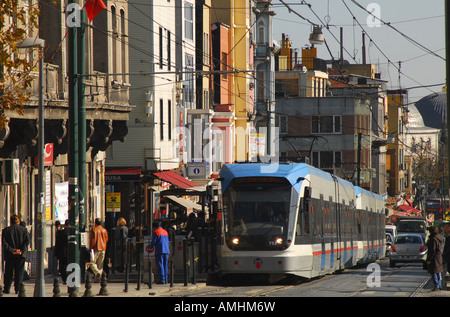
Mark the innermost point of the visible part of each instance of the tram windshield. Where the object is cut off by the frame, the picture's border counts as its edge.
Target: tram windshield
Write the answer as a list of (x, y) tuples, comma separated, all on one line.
[(257, 213)]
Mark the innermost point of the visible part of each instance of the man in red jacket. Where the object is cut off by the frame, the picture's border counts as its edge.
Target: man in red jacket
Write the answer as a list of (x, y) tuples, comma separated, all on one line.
[(98, 240)]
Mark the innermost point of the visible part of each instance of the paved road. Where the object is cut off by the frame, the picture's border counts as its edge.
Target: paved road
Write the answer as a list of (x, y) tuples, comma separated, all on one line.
[(401, 281)]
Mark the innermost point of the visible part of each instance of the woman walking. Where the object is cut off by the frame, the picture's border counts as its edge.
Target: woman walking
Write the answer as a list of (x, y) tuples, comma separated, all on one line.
[(434, 256)]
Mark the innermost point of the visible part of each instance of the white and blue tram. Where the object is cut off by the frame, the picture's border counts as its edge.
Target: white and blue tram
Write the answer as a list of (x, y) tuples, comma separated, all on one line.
[(294, 219)]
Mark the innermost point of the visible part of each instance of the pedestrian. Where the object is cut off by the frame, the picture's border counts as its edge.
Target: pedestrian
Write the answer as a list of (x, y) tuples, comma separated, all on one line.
[(446, 251), (120, 238), (434, 256), (15, 241), (61, 248), (98, 240), (160, 241)]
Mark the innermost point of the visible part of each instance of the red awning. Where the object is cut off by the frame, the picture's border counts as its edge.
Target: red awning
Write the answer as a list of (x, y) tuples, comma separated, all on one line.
[(408, 209), (124, 170), (175, 179)]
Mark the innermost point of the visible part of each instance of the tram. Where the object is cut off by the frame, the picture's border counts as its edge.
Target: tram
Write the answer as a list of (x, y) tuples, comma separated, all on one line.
[(295, 219)]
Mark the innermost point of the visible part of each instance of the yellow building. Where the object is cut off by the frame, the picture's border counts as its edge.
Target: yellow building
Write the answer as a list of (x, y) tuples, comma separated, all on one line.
[(395, 162), (236, 14)]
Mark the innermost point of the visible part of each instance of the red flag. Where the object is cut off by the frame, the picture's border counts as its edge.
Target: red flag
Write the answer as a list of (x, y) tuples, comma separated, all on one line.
[(93, 7)]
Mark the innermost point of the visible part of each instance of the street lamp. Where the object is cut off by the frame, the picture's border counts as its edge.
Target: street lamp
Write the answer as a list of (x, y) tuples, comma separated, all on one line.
[(39, 287)]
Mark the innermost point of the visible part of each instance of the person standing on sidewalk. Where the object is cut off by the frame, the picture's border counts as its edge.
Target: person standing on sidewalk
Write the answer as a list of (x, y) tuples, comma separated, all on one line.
[(160, 240), (434, 256), (97, 242), (15, 241), (61, 248), (446, 251)]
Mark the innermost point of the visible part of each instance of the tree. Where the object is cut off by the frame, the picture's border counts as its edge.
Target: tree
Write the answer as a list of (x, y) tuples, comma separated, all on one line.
[(427, 167), (18, 20)]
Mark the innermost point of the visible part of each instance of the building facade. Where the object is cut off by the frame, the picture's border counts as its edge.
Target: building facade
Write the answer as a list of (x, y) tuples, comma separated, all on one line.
[(107, 111)]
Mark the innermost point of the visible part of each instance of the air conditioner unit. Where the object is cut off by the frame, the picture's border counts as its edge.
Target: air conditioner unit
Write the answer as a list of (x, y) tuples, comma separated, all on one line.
[(10, 171)]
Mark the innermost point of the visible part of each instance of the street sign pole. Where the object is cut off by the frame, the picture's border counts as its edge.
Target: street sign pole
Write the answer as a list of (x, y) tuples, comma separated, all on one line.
[(73, 243)]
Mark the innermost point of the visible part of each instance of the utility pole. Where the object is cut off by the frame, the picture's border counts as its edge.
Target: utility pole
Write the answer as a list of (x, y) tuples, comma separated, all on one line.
[(447, 57), (82, 119), (73, 243), (39, 215), (81, 36), (358, 168)]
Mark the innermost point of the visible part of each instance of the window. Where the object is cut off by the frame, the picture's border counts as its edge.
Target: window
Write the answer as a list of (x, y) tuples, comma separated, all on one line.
[(327, 159), (161, 48), (188, 21), (123, 45), (261, 32), (169, 60), (223, 65), (189, 79), (282, 124), (114, 41), (206, 49), (260, 78), (169, 119), (161, 119), (326, 124)]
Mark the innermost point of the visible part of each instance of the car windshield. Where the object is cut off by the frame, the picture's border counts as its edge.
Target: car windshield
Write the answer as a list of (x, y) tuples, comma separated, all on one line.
[(411, 226), (408, 239), (257, 212), (433, 204)]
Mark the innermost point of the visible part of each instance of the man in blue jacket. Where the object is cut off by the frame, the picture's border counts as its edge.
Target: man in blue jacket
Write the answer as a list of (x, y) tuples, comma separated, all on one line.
[(160, 240)]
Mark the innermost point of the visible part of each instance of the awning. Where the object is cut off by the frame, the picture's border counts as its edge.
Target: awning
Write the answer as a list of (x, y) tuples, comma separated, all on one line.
[(189, 205), (175, 179), (124, 170), (409, 210)]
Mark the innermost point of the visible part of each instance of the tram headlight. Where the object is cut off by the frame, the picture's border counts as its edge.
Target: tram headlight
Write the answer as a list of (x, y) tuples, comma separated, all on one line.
[(279, 240), (235, 241)]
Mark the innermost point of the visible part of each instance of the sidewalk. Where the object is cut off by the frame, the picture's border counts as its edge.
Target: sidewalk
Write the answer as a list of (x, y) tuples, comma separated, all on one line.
[(114, 289)]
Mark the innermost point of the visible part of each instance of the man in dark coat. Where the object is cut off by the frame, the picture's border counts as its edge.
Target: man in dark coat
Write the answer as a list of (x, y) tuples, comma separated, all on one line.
[(446, 252), (15, 242), (434, 256), (61, 249)]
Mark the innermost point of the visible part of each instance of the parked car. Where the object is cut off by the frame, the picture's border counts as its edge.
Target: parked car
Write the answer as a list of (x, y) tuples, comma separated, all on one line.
[(389, 242), (392, 230), (408, 248)]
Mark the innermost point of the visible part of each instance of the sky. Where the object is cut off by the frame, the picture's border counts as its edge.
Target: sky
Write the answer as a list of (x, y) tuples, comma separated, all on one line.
[(422, 24)]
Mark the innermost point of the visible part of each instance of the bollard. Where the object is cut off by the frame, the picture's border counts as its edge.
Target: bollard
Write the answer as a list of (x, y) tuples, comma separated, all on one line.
[(172, 272), (193, 262), (56, 289), (22, 290), (127, 265), (139, 251), (88, 286), (185, 262), (73, 292), (200, 249), (103, 291), (150, 273)]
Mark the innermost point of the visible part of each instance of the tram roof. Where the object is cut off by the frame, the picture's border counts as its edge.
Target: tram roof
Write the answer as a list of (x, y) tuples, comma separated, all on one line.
[(291, 171), (361, 191)]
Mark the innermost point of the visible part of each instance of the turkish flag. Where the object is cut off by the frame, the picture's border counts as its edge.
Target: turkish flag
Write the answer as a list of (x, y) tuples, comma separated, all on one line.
[(93, 7)]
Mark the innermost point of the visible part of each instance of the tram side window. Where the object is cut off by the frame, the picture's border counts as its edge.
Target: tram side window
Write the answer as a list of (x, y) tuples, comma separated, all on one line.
[(303, 216), (302, 227)]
